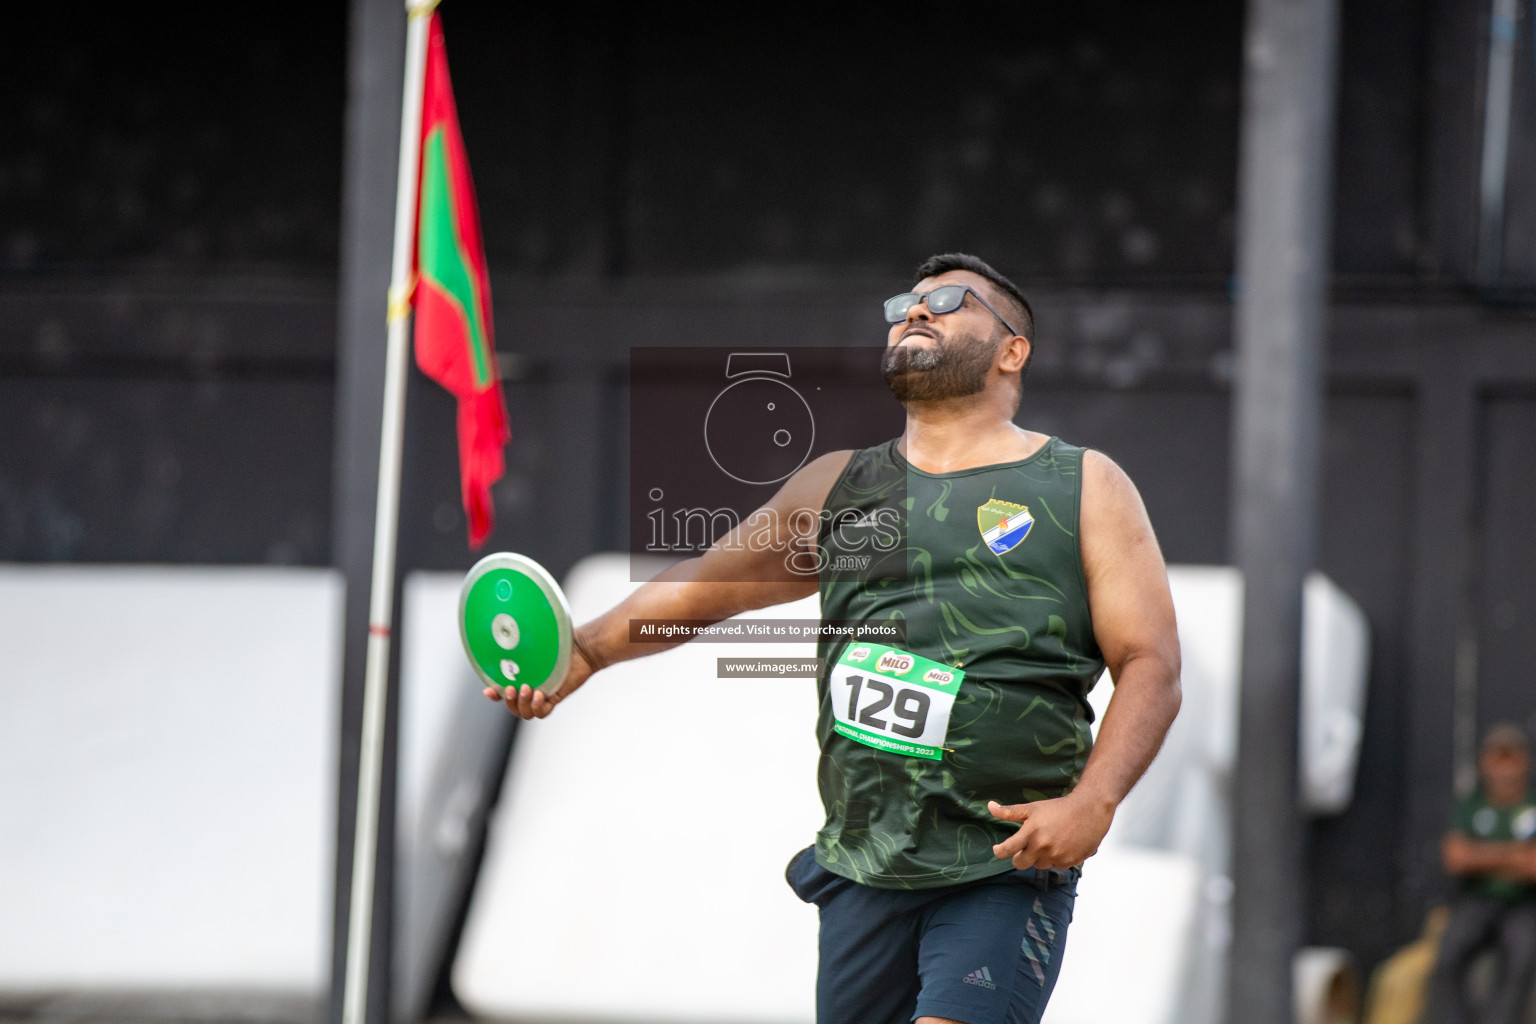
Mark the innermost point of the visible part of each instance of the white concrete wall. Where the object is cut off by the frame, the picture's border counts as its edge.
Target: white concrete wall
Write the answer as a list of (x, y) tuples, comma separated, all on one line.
[(167, 766)]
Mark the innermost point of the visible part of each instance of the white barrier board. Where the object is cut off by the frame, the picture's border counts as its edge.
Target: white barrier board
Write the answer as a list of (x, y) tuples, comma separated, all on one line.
[(1135, 930), (167, 778)]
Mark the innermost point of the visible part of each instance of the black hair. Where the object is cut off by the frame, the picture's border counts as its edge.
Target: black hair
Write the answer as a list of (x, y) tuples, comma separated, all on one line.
[(1023, 317)]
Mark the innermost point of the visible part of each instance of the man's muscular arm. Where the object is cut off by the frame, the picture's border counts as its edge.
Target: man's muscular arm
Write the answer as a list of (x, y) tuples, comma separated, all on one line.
[(1133, 622), (753, 566)]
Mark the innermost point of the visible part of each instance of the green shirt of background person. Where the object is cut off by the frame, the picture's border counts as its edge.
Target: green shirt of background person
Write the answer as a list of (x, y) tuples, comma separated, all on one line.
[(1491, 850), (1492, 844)]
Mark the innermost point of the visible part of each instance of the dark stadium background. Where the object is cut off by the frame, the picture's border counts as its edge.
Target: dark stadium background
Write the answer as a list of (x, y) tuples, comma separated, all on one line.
[(180, 184)]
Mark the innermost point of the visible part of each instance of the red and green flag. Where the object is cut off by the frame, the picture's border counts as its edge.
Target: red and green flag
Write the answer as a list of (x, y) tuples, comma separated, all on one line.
[(454, 343)]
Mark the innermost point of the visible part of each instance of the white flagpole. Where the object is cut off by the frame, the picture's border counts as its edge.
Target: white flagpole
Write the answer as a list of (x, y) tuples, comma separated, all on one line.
[(386, 526)]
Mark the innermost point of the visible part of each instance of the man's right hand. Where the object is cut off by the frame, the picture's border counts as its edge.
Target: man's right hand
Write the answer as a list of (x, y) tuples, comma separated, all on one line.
[(526, 703)]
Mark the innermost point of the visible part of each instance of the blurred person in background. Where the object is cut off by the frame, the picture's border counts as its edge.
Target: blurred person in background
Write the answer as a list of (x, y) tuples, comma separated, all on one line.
[(1491, 849)]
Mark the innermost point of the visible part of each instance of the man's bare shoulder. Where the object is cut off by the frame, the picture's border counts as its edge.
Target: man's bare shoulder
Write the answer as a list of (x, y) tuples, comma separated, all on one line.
[(1105, 485), (811, 485), (1113, 520), (826, 468)]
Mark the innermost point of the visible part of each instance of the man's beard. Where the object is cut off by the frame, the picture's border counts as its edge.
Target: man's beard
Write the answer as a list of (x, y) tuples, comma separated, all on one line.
[(948, 369)]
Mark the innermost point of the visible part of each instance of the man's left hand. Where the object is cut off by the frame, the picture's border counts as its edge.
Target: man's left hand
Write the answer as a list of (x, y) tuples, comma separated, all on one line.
[(1060, 833)]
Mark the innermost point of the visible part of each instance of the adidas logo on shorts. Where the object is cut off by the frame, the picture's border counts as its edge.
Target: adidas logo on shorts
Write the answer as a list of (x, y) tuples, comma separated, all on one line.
[(982, 977)]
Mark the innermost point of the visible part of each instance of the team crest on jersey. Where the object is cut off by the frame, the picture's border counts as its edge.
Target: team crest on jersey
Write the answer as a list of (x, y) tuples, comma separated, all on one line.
[(1003, 524)]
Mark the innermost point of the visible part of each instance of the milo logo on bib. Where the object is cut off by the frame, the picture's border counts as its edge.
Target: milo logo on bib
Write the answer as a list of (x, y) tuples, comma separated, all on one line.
[(901, 707)]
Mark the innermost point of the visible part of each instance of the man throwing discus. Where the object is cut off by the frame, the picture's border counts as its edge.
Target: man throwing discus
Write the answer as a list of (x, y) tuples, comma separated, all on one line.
[(962, 787)]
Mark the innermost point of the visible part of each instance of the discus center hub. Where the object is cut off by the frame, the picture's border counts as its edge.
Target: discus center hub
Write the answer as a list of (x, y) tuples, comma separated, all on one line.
[(504, 629)]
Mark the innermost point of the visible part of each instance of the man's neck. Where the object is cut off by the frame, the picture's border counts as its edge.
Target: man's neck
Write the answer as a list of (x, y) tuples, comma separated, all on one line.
[(1504, 798), (945, 437)]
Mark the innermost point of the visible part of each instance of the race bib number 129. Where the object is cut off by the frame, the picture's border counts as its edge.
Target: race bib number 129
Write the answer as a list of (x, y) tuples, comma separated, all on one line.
[(888, 699)]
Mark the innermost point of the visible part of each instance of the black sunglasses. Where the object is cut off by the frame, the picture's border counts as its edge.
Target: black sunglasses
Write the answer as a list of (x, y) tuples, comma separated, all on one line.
[(943, 299)]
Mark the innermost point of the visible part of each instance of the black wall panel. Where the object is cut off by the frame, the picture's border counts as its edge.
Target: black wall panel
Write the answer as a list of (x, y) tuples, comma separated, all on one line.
[(1094, 139), (1377, 229), (1364, 539), (1505, 586), (165, 469), (196, 137), (1173, 443)]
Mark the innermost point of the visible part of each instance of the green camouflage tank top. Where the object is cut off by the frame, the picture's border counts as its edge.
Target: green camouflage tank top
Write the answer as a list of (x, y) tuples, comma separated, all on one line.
[(986, 698)]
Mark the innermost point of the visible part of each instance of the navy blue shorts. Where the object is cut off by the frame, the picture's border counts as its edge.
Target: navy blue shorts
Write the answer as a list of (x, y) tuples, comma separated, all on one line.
[(985, 952)]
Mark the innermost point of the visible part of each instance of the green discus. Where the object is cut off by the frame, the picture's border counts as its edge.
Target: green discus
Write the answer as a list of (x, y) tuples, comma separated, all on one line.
[(515, 623)]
